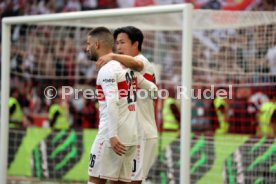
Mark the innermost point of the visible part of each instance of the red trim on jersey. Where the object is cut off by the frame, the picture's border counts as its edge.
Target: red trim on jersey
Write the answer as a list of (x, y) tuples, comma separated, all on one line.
[(100, 93), (149, 77), (123, 88)]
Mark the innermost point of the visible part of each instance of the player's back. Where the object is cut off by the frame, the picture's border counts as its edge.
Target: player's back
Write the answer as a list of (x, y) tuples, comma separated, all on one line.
[(116, 82)]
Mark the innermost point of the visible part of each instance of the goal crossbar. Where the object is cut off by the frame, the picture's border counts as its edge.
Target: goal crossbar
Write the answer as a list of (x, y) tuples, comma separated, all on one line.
[(171, 14), (96, 17)]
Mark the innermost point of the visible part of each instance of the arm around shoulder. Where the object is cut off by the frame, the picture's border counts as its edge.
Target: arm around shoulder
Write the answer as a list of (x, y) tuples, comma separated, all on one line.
[(129, 61)]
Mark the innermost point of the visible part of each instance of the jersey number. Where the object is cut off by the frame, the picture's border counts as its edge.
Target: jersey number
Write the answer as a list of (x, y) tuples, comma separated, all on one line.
[(92, 160), (134, 165), (131, 82)]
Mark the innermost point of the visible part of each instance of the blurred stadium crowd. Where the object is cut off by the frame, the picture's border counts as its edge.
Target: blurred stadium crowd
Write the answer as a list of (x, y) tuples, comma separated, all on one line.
[(37, 59), (34, 7)]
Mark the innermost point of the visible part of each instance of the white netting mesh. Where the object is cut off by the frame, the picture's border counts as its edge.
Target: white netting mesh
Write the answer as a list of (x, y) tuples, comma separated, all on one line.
[(233, 50)]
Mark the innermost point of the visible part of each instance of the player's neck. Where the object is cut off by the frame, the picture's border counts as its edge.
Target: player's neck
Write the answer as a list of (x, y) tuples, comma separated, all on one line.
[(104, 52), (135, 53)]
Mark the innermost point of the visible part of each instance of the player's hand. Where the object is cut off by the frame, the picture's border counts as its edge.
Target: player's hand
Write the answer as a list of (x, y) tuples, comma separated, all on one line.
[(117, 146), (103, 60)]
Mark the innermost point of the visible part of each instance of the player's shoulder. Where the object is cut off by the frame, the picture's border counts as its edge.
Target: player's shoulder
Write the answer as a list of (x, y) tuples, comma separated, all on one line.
[(111, 66), (109, 69), (148, 67), (142, 58)]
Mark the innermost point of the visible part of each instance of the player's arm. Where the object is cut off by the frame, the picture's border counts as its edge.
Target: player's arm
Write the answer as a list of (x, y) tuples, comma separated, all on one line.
[(111, 93), (128, 61), (148, 85)]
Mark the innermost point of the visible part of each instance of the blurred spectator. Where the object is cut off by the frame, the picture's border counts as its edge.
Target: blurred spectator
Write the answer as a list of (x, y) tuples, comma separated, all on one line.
[(15, 110), (137, 3), (90, 115), (265, 126), (59, 113), (240, 122), (199, 121), (72, 5), (271, 57), (221, 108), (11, 8), (76, 108), (255, 102), (59, 4), (164, 2), (213, 4), (125, 3), (46, 6), (268, 5), (89, 4), (171, 113), (104, 4)]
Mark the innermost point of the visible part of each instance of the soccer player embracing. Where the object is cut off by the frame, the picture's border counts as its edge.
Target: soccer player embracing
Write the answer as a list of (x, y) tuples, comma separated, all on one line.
[(115, 145), (129, 41)]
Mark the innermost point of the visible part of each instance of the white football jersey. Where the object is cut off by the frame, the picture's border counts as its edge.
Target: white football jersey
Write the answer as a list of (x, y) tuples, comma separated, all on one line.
[(145, 107), (118, 84)]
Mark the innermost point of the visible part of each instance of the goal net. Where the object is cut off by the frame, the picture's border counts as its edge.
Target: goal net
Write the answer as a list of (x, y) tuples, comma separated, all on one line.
[(232, 51)]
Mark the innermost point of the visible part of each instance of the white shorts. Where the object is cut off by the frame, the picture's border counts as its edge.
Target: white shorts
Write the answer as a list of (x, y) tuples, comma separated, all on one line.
[(144, 159), (106, 164)]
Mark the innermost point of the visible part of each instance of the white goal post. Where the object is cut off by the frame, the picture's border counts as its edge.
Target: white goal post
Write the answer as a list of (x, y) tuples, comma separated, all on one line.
[(180, 18)]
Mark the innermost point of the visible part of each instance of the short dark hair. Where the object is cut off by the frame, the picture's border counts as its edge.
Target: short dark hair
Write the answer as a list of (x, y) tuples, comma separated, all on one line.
[(104, 35), (133, 33)]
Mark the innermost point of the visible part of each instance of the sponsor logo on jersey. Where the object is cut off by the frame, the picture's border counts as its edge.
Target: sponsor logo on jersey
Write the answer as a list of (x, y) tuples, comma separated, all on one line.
[(109, 80)]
